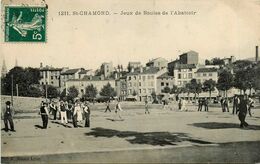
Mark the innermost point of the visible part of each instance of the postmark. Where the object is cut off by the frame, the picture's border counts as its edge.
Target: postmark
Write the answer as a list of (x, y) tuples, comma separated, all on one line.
[(25, 24)]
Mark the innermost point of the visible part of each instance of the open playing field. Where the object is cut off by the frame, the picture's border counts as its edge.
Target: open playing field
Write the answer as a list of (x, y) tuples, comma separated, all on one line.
[(163, 136)]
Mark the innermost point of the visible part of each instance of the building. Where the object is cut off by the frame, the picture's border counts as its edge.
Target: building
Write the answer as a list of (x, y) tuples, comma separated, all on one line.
[(134, 65), (106, 69), (69, 74), (190, 57), (160, 63), (4, 69), (172, 65), (143, 82), (84, 73), (50, 75), (203, 74), (183, 73), (228, 61), (121, 88), (163, 81), (97, 81)]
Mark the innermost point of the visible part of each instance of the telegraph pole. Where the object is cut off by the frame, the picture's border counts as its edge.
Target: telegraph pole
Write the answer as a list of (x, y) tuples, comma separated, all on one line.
[(12, 96), (17, 93), (46, 92)]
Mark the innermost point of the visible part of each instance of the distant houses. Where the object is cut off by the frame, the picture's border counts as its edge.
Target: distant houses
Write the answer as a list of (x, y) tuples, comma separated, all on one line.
[(136, 80)]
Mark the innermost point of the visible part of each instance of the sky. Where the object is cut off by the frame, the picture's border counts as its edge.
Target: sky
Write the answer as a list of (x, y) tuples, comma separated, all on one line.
[(218, 29)]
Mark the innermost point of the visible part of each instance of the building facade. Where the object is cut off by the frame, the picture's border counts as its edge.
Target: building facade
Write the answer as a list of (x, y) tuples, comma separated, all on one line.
[(160, 63), (81, 84), (70, 74), (190, 57), (203, 74), (164, 81), (50, 76), (106, 69), (143, 82), (183, 73)]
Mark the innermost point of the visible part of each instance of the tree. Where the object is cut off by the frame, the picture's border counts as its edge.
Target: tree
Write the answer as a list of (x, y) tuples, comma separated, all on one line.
[(217, 61), (52, 92), (174, 89), (91, 92), (195, 87), (207, 62), (63, 94), (108, 91), (166, 90), (72, 93), (209, 85), (24, 78), (225, 81)]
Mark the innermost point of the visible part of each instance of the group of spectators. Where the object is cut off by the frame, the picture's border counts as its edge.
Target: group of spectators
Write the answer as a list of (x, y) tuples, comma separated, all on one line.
[(65, 111)]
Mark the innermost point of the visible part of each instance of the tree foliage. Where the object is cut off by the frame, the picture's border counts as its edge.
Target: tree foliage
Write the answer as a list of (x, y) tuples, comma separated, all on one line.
[(91, 92), (25, 78), (52, 92), (209, 86), (108, 91), (166, 89), (225, 81), (72, 93)]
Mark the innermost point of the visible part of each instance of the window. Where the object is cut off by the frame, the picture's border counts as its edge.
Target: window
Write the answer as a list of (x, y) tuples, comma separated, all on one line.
[(162, 83), (82, 90), (140, 91), (185, 76), (210, 74), (130, 91), (130, 84), (190, 75), (179, 76), (129, 78), (140, 84), (135, 77), (51, 82), (204, 74), (179, 82), (190, 69), (167, 84), (144, 90)]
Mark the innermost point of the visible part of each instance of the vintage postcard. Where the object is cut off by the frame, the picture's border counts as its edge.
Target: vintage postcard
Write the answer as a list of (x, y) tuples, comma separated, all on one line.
[(130, 81)]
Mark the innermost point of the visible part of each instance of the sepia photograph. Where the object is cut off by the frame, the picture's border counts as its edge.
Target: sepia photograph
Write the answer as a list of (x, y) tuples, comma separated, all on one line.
[(130, 81)]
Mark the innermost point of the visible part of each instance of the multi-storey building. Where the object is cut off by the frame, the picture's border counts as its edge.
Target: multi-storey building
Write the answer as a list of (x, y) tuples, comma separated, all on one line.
[(97, 81), (183, 73), (143, 82), (203, 74), (70, 74), (106, 69), (50, 76), (190, 57), (121, 88), (160, 63), (163, 81)]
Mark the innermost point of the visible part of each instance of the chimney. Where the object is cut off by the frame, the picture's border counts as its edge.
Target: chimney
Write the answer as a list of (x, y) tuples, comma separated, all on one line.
[(41, 65), (256, 53)]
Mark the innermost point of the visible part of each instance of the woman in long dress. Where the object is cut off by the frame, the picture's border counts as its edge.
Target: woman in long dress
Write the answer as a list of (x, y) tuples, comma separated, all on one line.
[(79, 114)]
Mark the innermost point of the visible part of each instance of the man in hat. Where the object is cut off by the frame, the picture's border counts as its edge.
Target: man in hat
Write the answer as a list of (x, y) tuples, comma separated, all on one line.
[(87, 115), (243, 111), (8, 113), (44, 114)]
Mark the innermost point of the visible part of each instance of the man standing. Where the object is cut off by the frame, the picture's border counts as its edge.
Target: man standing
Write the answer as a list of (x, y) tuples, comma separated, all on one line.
[(146, 107), (235, 104), (200, 104), (206, 104), (53, 110), (108, 106), (44, 114), (226, 104), (8, 116), (87, 115), (63, 112), (243, 111)]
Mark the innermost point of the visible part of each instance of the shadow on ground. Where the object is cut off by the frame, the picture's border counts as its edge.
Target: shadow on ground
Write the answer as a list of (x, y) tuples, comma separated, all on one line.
[(56, 122), (150, 138), (221, 125)]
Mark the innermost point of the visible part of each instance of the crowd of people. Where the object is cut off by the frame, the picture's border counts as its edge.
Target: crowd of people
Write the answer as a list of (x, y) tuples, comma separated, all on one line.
[(76, 112)]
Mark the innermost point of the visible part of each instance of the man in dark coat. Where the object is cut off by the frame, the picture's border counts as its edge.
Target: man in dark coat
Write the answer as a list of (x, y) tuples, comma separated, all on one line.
[(235, 104), (8, 113), (243, 111), (44, 114), (87, 115), (200, 104), (206, 104)]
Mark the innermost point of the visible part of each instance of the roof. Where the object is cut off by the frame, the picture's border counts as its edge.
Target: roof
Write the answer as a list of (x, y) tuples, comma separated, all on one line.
[(50, 69), (185, 66), (189, 52), (91, 78), (165, 75), (70, 71), (207, 70), (155, 60), (151, 70), (84, 71)]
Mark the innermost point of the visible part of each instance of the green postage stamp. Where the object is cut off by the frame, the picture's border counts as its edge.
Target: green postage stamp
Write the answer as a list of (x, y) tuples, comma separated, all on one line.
[(25, 24)]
